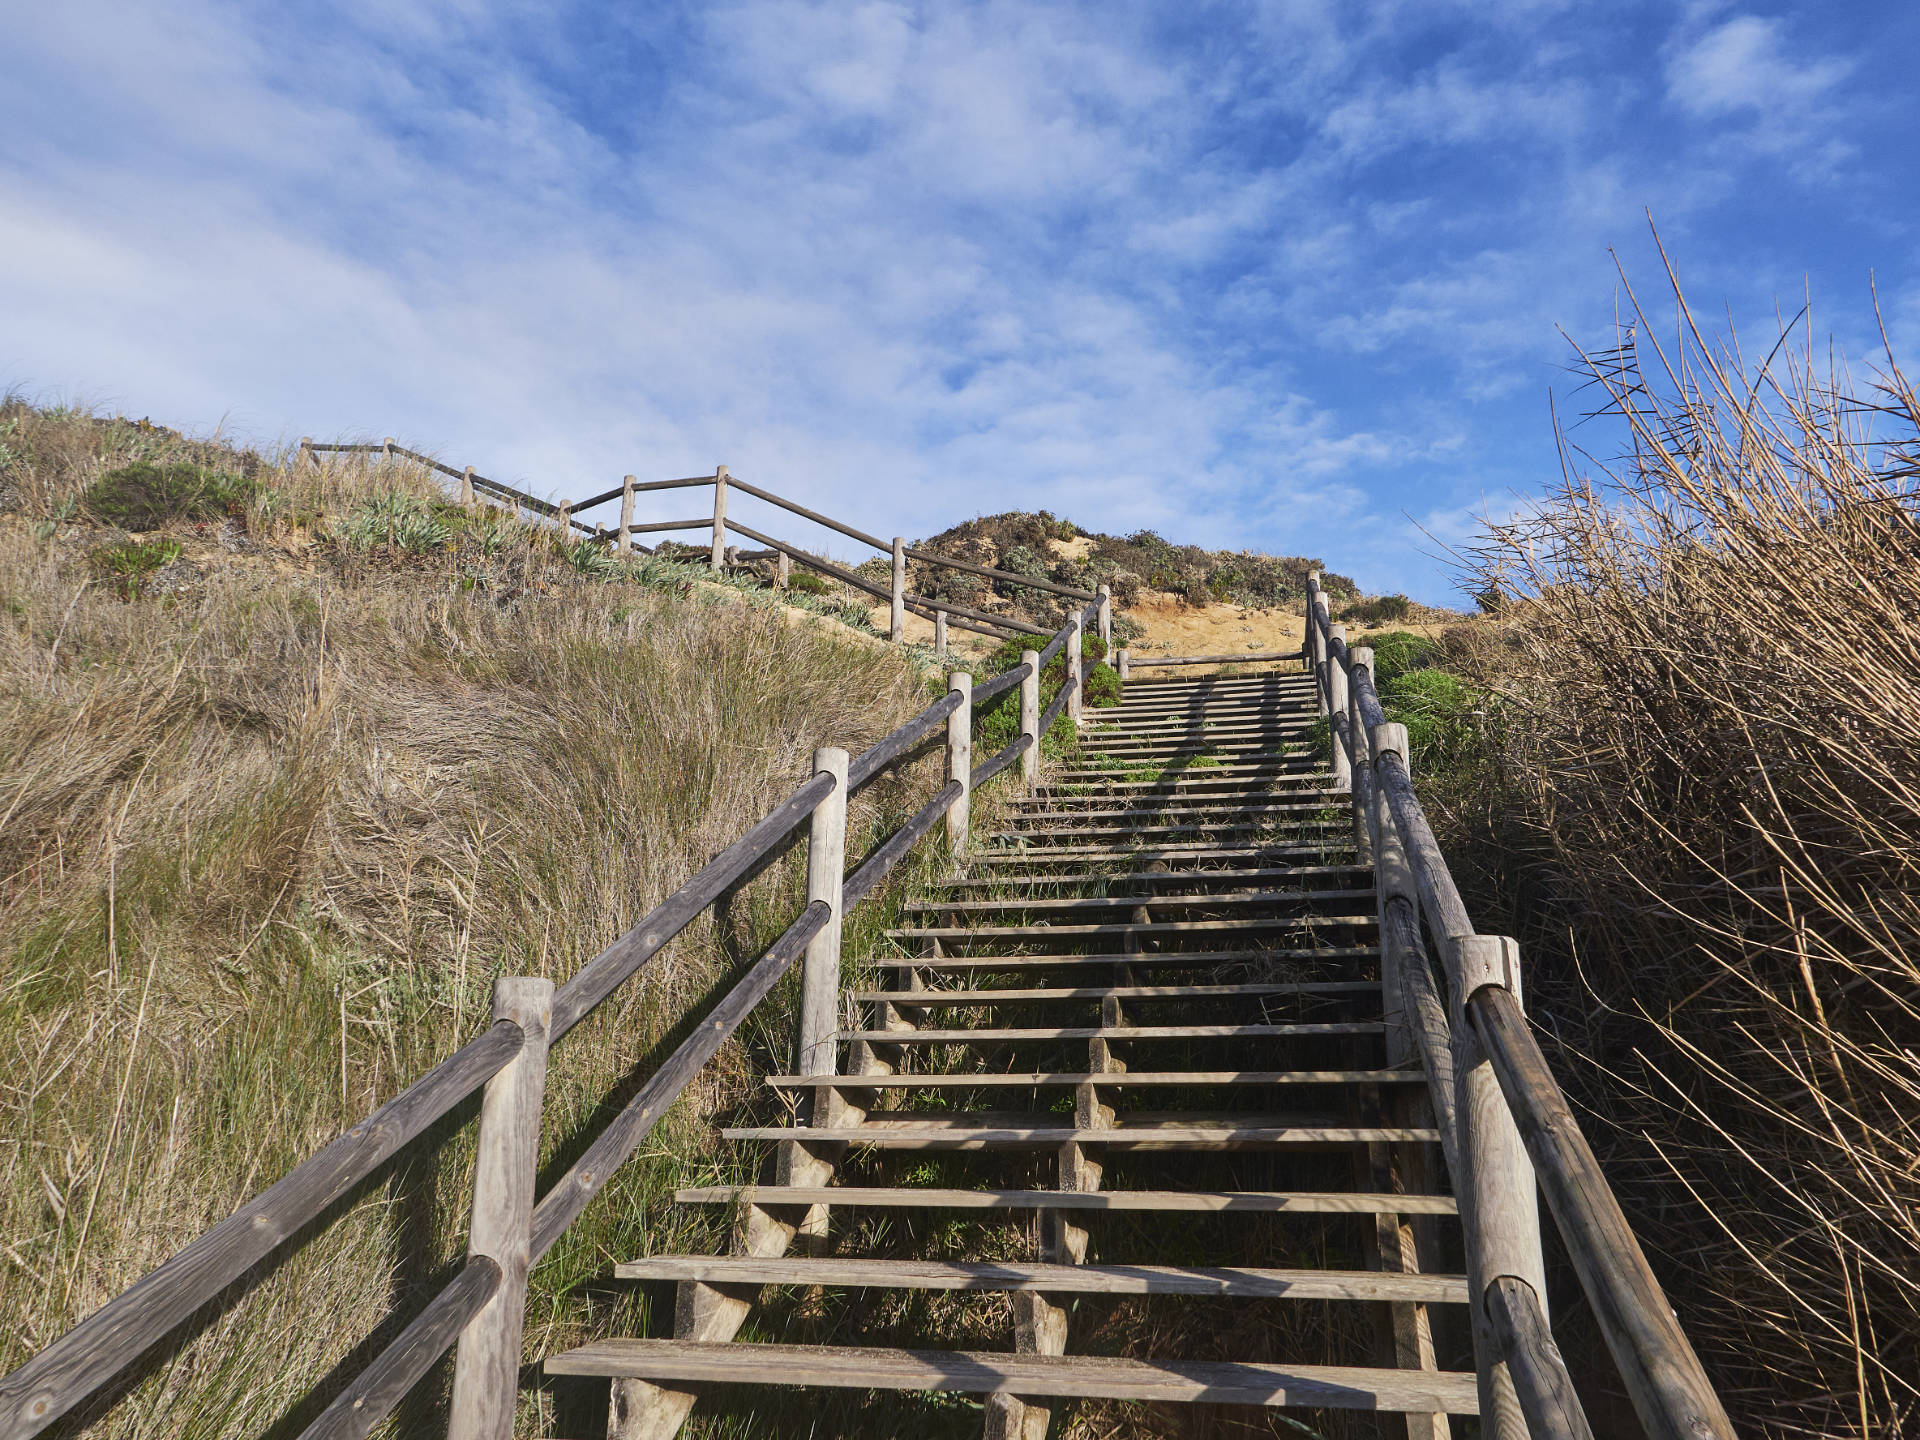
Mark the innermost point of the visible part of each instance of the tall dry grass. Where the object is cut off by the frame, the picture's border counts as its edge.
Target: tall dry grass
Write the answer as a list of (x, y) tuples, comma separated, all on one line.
[(1709, 670), (267, 833)]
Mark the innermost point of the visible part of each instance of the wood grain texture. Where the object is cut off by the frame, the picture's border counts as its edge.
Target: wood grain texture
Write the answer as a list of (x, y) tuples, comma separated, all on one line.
[(1336, 1202), (1249, 1282), (973, 1372)]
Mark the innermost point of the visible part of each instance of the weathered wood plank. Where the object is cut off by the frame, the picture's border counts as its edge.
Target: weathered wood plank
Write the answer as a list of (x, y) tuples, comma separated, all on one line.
[(1069, 1376), (1251, 1282), (1295, 1202)]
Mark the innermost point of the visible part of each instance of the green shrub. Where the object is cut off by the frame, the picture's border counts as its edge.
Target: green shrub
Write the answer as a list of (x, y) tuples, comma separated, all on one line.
[(144, 496), (1398, 651), (397, 519), (592, 559), (130, 564), (806, 584), (1380, 610), (1100, 686)]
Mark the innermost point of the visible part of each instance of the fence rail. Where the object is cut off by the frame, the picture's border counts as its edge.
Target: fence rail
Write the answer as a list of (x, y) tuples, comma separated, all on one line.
[(944, 613), (1508, 1132), (506, 1064)]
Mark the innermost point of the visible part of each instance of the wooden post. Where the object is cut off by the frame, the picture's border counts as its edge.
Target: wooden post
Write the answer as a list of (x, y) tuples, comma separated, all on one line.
[(486, 1367), (565, 521), (826, 872), (1073, 666), (467, 501), (960, 764), (783, 571), (1322, 623), (898, 628), (1360, 658), (626, 516), (1106, 623), (1505, 1212), (732, 555), (1125, 674), (386, 448), (1030, 718), (720, 478), (1337, 708), (308, 452), (939, 634)]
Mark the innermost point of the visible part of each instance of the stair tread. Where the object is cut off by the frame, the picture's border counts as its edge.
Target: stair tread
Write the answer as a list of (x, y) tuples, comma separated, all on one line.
[(1307, 1202), (953, 1135), (924, 999), (994, 1079), (1150, 927), (1070, 903), (981, 1373), (1261, 1282), (1008, 1033), (936, 963)]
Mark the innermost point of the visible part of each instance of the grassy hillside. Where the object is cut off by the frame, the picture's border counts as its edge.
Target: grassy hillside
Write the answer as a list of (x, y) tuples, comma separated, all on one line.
[(291, 765)]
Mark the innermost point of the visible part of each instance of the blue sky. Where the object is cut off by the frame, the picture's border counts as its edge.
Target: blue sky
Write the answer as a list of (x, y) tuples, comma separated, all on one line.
[(1275, 276)]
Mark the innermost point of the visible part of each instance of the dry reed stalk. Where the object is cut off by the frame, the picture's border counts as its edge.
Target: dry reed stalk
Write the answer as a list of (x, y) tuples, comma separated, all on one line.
[(1709, 665)]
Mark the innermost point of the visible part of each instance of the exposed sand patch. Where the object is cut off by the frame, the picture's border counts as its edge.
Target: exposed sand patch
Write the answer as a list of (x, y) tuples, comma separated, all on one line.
[(1176, 628)]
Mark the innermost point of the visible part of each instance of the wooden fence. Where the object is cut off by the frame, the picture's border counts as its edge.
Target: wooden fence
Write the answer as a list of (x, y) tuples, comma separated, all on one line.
[(481, 1311), (477, 489), (1507, 1130)]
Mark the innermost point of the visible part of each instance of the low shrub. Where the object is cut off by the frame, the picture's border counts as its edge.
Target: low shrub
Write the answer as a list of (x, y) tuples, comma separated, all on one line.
[(144, 496), (1380, 610), (806, 583), (130, 564)]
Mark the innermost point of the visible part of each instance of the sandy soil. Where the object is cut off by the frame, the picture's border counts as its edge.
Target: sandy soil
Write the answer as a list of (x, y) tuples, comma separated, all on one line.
[(1175, 628)]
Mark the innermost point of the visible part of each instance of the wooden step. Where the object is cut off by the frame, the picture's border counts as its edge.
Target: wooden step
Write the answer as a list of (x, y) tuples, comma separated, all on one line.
[(921, 1134), (1083, 904), (957, 999), (1025, 1034), (1219, 850), (1252, 1283), (1105, 1079), (688, 1362), (1163, 879), (1210, 1202), (1183, 811), (1151, 928), (1043, 838), (1110, 958)]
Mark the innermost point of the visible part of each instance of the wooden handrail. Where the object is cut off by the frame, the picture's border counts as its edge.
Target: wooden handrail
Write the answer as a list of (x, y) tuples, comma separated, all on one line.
[(1668, 1388)]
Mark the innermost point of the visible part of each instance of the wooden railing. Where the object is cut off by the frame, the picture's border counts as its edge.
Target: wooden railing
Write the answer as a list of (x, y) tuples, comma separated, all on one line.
[(481, 1311), (1507, 1130), (477, 489)]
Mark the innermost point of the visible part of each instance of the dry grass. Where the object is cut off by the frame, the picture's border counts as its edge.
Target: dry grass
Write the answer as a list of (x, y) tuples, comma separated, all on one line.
[(269, 829), (1710, 673)]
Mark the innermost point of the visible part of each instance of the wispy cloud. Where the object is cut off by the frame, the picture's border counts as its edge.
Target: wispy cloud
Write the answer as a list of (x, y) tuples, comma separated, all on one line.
[(1266, 276)]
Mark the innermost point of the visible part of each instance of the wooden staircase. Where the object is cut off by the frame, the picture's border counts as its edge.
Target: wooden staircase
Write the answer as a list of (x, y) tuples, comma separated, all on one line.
[(1146, 1020)]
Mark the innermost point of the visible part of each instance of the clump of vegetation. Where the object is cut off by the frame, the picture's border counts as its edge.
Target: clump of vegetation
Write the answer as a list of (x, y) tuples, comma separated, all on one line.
[(806, 583), (145, 495), (130, 564), (1130, 565), (1377, 610), (400, 519), (1708, 652)]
